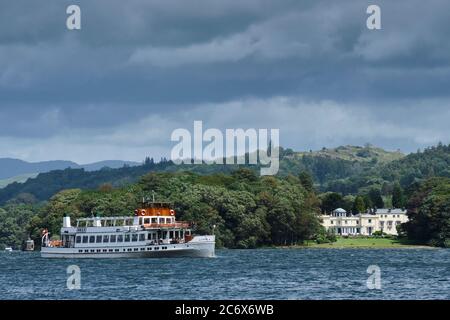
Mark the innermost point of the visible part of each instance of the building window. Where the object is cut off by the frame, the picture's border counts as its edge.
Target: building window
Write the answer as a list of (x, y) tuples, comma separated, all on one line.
[(370, 220)]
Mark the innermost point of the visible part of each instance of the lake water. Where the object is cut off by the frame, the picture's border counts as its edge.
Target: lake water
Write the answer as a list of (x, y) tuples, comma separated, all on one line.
[(235, 274)]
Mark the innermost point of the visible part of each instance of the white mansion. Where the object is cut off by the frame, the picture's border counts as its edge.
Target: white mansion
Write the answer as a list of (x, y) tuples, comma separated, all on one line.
[(385, 220)]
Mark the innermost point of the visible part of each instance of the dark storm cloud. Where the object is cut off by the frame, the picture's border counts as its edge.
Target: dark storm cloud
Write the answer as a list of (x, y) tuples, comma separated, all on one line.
[(136, 60)]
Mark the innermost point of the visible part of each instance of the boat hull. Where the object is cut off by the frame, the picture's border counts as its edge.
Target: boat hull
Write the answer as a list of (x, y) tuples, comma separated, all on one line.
[(199, 247)]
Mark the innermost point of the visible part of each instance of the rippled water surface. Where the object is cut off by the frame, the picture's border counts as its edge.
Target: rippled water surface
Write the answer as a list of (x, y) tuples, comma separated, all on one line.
[(235, 274)]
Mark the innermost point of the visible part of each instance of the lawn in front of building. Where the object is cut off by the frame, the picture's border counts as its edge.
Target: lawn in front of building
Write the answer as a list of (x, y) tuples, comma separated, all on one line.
[(360, 242)]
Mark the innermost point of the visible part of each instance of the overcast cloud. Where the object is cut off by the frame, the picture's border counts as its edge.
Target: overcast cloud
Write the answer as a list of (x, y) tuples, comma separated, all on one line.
[(139, 69)]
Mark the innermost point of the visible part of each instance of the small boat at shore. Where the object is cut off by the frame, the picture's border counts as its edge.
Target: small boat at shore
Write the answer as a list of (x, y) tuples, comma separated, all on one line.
[(152, 232), (8, 249)]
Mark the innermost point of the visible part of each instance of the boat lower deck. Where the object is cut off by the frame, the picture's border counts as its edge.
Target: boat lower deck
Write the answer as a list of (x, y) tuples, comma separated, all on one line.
[(203, 248)]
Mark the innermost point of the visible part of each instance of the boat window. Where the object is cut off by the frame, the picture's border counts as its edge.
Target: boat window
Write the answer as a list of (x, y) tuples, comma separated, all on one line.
[(85, 239), (127, 238), (112, 238), (120, 238), (171, 234), (91, 239), (78, 239), (106, 238), (146, 220), (99, 239), (141, 237), (134, 237), (154, 220)]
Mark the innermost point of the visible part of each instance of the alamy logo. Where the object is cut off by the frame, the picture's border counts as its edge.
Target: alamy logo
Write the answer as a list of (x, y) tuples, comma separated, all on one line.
[(74, 278), (73, 21), (261, 148), (373, 22), (374, 280)]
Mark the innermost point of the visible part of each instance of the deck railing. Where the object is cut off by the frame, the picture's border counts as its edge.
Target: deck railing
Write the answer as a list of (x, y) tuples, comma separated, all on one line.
[(180, 224)]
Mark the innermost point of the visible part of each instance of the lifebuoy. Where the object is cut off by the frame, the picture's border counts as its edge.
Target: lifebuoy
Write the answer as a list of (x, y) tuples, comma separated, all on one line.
[(143, 213), (172, 212)]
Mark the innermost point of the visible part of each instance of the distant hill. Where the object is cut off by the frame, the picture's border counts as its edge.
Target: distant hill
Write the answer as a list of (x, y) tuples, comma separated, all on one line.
[(10, 168), (113, 164), (367, 153), (415, 167), (347, 169), (20, 178), (331, 164)]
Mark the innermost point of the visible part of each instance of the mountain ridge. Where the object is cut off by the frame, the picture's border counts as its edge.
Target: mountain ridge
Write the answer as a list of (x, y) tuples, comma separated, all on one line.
[(329, 174), (11, 167)]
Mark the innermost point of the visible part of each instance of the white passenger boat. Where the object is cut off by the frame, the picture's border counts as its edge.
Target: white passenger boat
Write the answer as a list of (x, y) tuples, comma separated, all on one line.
[(152, 232)]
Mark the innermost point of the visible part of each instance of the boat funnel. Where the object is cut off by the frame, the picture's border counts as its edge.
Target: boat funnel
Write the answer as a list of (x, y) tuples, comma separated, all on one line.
[(66, 222)]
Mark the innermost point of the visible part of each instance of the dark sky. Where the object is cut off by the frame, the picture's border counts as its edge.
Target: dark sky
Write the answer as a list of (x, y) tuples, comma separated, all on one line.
[(139, 69)]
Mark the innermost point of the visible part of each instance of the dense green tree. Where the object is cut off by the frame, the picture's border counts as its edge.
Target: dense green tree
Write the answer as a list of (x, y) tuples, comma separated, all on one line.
[(376, 198), (331, 201), (306, 180), (398, 199), (359, 206), (429, 213)]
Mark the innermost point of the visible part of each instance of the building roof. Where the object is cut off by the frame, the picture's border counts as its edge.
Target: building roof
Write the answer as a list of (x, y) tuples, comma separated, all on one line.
[(392, 211), (340, 210)]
